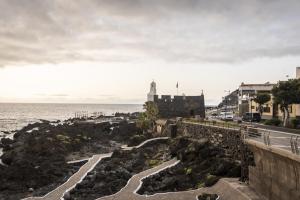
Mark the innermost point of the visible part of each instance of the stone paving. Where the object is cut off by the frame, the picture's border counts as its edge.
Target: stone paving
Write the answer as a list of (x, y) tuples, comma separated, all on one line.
[(59, 192)]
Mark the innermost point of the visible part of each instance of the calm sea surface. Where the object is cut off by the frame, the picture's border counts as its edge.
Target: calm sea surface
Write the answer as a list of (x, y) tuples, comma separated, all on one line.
[(15, 116)]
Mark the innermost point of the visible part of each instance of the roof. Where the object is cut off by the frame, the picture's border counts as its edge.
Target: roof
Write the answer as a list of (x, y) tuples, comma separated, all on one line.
[(259, 84)]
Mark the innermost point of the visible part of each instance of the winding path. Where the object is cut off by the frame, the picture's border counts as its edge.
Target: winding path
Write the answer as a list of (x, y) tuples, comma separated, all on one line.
[(59, 192), (126, 148), (76, 178), (227, 188)]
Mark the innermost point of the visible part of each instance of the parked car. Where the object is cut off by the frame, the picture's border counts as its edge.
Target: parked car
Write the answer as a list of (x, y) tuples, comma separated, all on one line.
[(226, 116), (251, 117)]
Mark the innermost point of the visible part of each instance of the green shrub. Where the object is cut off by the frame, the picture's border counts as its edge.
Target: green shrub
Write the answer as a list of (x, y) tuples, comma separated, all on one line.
[(188, 171), (136, 140), (211, 180), (273, 122), (295, 122), (153, 163), (200, 185)]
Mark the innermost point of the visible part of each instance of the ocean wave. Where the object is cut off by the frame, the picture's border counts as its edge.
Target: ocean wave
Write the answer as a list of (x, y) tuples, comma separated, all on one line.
[(8, 119)]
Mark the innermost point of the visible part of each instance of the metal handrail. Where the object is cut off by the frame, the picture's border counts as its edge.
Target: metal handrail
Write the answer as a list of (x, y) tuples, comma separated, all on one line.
[(264, 134), (294, 144)]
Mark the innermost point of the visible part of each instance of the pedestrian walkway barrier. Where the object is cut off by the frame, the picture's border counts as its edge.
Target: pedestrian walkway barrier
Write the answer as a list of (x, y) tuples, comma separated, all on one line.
[(294, 144), (266, 136)]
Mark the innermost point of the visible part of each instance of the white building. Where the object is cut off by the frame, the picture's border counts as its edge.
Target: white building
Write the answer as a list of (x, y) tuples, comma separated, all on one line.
[(248, 92), (152, 93)]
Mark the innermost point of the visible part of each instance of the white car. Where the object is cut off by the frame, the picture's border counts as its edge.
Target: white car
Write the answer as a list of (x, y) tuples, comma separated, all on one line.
[(227, 116)]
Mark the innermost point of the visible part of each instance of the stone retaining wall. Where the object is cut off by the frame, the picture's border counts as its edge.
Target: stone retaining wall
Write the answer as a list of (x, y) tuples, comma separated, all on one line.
[(228, 139), (277, 172)]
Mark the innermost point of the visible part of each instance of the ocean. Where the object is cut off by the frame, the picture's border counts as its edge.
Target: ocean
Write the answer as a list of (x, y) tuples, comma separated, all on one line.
[(14, 116)]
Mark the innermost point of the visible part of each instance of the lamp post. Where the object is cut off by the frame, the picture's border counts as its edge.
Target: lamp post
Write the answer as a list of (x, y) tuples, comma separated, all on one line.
[(251, 114), (226, 102)]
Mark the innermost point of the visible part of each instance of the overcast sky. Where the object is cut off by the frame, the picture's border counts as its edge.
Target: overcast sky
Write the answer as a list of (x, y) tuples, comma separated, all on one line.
[(108, 51)]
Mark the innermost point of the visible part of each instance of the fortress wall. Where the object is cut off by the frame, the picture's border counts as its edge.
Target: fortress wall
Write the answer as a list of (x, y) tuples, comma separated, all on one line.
[(180, 106)]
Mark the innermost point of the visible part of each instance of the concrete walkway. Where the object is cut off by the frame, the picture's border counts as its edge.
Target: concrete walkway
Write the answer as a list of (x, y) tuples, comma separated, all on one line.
[(59, 192), (227, 189), (126, 148)]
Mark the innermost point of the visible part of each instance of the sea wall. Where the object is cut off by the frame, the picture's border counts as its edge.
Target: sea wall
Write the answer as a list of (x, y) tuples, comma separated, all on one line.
[(276, 174)]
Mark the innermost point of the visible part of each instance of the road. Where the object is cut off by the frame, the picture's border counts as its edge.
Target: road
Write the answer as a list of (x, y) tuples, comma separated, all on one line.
[(277, 138), (280, 137)]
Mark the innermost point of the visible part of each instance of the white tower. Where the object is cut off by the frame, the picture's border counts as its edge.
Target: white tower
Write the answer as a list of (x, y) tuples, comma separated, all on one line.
[(152, 91), (298, 72)]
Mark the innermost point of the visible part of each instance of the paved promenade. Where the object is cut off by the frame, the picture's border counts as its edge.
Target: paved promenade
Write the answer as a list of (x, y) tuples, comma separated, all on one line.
[(59, 192)]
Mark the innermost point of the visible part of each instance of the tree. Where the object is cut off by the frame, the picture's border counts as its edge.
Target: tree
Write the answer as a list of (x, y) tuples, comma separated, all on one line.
[(151, 111), (147, 119), (143, 122), (261, 99), (285, 94)]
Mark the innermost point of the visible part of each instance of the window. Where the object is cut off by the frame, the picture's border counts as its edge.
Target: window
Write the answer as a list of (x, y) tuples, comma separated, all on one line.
[(267, 109), (290, 108)]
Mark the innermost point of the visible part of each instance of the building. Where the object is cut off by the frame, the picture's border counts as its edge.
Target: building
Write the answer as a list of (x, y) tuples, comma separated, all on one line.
[(247, 92), (177, 106), (152, 93)]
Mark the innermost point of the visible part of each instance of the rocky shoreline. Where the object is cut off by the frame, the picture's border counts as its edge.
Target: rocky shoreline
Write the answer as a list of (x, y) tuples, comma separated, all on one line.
[(202, 165), (35, 161), (112, 174)]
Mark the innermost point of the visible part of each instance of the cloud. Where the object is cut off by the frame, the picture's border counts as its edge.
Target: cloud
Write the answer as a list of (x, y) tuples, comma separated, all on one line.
[(58, 31)]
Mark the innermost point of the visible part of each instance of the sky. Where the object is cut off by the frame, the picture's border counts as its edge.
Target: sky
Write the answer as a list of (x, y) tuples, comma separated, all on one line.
[(109, 51)]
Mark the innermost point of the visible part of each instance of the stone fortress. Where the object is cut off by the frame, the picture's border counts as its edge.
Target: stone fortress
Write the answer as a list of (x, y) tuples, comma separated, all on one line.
[(178, 106)]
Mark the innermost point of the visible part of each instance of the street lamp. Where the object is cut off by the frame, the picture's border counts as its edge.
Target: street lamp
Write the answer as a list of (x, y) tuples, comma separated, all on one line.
[(226, 102), (251, 114)]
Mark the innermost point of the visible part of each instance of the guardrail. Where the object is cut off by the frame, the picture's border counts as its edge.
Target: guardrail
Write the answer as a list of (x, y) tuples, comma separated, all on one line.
[(219, 124), (265, 136), (294, 144), (291, 141)]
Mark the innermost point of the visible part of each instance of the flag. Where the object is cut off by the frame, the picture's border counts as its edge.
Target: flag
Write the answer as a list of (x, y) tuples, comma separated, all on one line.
[(177, 85)]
